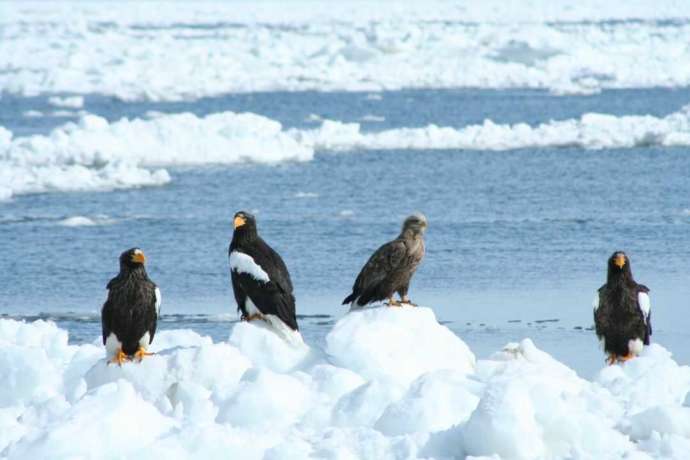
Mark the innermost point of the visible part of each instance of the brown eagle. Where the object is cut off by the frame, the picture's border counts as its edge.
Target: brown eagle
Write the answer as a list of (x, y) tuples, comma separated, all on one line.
[(390, 268)]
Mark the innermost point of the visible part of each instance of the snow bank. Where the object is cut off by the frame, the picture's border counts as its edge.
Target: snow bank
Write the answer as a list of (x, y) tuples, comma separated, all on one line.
[(94, 154), (591, 131), (415, 344), (177, 51), (368, 394)]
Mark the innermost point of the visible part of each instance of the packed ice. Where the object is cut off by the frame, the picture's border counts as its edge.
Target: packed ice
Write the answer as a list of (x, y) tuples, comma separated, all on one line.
[(389, 383), (187, 51)]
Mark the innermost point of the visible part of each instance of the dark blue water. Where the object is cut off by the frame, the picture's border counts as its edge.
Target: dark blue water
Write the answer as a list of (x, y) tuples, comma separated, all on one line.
[(514, 238)]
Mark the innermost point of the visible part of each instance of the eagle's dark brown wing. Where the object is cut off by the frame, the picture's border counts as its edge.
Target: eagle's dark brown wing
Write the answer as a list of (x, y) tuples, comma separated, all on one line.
[(379, 266)]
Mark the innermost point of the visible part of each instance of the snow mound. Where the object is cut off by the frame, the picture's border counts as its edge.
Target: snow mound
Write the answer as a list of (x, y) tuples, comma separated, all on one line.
[(200, 49), (368, 395), (399, 344), (535, 407), (94, 154)]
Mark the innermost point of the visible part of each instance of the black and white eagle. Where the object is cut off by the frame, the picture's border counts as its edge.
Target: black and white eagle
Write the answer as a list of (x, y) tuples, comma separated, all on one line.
[(622, 311), (260, 280), (130, 313), (390, 268)]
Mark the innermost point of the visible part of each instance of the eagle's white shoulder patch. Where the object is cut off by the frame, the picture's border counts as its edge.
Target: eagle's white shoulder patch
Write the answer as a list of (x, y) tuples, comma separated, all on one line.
[(243, 263), (158, 301), (595, 302), (645, 303)]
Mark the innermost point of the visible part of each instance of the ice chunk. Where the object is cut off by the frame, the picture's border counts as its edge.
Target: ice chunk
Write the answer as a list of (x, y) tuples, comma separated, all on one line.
[(396, 343), (371, 396), (113, 420), (267, 347), (535, 407), (652, 379), (72, 102)]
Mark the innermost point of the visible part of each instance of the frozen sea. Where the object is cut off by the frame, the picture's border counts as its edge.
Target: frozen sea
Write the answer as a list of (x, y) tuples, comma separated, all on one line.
[(535, 149), (517, 243), (537, 136)]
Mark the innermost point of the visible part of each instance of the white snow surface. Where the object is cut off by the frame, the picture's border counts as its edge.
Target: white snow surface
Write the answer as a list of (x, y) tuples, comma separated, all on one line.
[(258, 397), (176, 50)]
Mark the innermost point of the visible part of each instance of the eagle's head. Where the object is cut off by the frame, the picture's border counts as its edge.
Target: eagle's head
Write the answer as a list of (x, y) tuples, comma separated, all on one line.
[(244, 223), (415, 224), (132, 259), (619, 265)]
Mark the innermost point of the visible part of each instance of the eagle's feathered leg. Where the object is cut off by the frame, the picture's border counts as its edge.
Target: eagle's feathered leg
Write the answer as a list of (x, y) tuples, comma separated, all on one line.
[(252, 317), (612, 359), (119, 358), (141, 352), (406, 300), (393, 303)]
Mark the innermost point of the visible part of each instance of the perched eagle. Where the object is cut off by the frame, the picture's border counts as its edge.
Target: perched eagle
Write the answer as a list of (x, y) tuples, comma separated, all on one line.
[(130, 313), (390, 268), (622, 312), (260, 279)]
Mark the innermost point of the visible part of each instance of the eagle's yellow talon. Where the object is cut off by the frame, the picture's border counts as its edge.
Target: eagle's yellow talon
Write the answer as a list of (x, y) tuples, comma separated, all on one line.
[(119, 358), (627, 357), (141, 352)]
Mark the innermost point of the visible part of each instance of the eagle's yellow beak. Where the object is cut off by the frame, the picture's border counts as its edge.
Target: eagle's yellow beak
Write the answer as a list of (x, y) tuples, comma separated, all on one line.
[(139, 257), (239, 221), (619, 260)]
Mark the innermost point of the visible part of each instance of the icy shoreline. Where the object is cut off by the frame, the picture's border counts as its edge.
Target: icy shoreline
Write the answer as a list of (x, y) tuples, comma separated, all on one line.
[(390, 383)]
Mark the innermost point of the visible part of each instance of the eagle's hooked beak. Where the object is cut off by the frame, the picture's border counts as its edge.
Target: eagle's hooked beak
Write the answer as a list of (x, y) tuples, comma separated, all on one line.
[(619, 260), (239, 221), (139, 257)]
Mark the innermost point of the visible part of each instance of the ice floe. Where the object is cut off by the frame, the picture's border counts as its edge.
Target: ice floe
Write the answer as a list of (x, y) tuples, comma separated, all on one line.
[(369, 394), (84, 221), (94, 154), (177, 51), (590, 131), (71, 102)]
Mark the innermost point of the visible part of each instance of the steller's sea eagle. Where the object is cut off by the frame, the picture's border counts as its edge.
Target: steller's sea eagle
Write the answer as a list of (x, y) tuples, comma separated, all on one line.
[(622, 311), (130, 313), (260, 280)]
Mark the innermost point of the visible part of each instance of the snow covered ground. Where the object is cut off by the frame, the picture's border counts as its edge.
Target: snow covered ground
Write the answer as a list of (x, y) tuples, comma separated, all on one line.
[(94, 154), (388, 384), (186, 51)]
